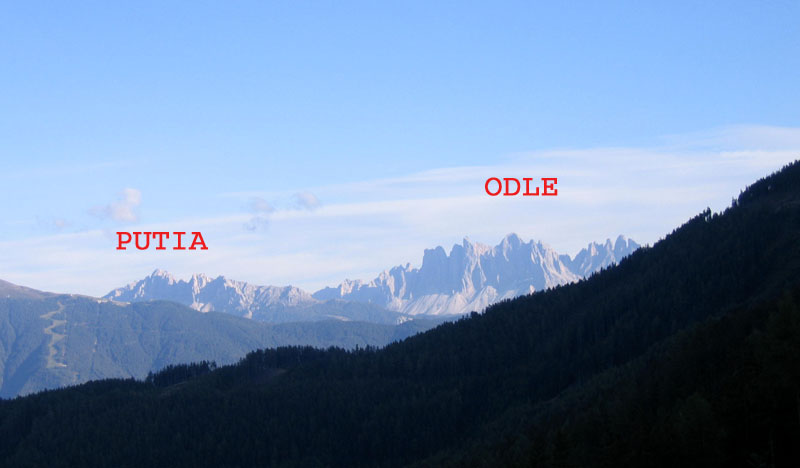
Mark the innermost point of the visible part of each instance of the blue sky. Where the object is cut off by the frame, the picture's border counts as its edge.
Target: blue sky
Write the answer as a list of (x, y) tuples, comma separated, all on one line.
[(307, 136)]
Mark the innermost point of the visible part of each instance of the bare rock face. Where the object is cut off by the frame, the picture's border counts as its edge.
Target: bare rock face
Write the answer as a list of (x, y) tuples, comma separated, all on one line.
[(470, 278), (475, 275), (218, 294)]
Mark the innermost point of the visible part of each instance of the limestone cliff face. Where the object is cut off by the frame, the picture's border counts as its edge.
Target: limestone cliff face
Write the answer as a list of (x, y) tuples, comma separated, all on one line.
[(474, 275), (469, 278), (212, 294)]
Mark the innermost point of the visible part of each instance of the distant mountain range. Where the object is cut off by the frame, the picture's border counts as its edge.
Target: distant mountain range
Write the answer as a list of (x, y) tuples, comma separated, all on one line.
[(271, 304), (51, 340), (475, 275), (470, 278), (595, 257)]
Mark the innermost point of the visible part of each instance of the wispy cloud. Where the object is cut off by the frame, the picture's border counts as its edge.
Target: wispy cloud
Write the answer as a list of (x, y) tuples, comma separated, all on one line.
[(306, 200), (367, 226), (122, 210), (261, 210), (52, 224), (737, 138)]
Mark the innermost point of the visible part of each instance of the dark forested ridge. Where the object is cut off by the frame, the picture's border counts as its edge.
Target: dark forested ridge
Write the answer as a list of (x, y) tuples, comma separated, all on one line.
[(685, 354)]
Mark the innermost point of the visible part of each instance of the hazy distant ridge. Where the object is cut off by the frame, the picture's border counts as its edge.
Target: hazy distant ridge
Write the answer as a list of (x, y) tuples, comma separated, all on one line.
[(472, 277)]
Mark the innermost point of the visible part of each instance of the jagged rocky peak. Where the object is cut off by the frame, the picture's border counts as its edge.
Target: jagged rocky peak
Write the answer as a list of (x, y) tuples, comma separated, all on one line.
[(202, 278), (162, 275), (597, 256), (474, 275), (624, 246), (205, 294), (432, 258), (158, 272), (474, 248), (511, 240)]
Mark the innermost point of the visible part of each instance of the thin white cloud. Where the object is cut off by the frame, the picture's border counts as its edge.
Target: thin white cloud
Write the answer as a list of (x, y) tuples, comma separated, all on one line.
[(122, 210), (306, 200), (365, 227), (737, 138), (259, 205), (52, 224), (261, 210)]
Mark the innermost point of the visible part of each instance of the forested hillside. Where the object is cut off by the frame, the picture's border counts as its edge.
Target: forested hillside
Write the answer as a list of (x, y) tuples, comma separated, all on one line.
[(687, 353), (50, 341)]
